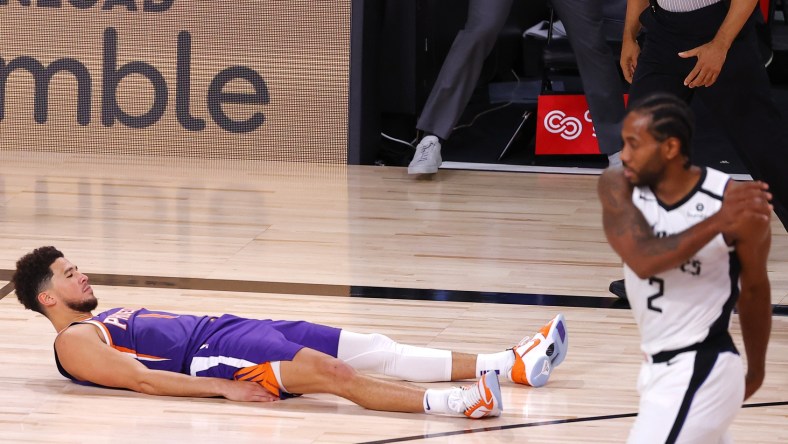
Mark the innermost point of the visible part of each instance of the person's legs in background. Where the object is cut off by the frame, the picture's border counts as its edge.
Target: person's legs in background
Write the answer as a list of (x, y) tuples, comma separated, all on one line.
[(659, 69), (584, 21), (457, 79)]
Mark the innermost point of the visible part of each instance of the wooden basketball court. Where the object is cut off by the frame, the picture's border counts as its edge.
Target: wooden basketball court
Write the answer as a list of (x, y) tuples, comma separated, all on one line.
[(471, 261)]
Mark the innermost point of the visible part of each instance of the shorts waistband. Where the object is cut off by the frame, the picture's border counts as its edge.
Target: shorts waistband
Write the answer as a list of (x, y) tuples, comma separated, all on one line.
[(720, 343)]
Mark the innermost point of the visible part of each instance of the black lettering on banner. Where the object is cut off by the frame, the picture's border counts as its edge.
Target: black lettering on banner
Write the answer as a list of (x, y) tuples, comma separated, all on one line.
[(42, 77), (83, 4), (216, 97), (109, 4), (130, 5), (153, 6), (112, 76), (661, 292), (183, 85)]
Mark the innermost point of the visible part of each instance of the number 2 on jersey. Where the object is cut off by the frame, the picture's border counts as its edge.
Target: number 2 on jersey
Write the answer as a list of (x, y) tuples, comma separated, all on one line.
[(661, 292)]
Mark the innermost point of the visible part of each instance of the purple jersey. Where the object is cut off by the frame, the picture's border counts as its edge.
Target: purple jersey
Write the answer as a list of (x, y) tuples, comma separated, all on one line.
[(205, 345)]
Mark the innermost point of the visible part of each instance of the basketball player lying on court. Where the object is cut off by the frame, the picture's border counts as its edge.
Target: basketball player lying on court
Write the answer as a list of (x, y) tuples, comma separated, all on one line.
[(693, 242), (262, 360)]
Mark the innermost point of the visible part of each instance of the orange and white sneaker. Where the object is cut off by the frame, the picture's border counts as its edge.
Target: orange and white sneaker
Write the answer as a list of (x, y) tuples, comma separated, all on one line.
[(535, 357), (478, 400)]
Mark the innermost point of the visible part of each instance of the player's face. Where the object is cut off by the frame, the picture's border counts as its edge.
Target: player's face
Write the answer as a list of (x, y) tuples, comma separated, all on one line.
[(642, 154), (71, 286)]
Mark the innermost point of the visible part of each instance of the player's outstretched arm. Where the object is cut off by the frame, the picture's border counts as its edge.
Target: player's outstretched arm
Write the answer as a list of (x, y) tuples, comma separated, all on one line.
[(755, 310), (634, 240), (87, 358)]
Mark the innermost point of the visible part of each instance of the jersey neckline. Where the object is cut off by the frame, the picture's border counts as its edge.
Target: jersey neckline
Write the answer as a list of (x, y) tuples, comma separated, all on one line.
[(687, 197)]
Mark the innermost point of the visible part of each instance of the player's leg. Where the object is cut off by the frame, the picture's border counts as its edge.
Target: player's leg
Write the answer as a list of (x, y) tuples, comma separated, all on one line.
[(661, 392), (716, 403), (691, 398), (251, 349), (530, 362), (311, 371), (265, 352)]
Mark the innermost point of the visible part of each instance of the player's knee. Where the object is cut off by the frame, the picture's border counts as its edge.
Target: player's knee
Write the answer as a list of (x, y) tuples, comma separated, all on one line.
[(336, 372)]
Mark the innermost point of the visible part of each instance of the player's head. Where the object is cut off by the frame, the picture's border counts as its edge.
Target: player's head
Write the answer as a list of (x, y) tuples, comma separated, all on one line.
[(44, 279), (657, 131)]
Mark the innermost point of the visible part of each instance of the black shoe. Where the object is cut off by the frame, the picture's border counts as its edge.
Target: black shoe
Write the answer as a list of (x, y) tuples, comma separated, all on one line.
[(618, 289)]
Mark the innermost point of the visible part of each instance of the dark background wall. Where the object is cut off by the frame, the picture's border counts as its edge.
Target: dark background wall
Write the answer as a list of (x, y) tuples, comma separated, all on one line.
[(404, 43)]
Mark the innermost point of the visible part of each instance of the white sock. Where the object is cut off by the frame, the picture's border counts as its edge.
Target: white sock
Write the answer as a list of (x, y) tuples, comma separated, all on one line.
[(440, 402), (502, 362)]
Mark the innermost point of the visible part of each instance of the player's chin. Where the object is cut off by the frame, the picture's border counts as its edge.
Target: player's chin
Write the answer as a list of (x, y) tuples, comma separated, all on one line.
[(631, 176)]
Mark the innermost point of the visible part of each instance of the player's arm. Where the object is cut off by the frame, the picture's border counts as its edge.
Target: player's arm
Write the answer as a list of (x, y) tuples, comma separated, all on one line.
[(633, 239), (755, 311), (88, 358)]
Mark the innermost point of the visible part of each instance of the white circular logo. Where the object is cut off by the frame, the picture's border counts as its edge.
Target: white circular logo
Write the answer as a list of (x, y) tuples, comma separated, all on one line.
[(559, 123)]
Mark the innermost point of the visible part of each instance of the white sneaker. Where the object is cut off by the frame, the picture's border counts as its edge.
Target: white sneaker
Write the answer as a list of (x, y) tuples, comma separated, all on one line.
[(427, 158), (478, 400), (535, 357)]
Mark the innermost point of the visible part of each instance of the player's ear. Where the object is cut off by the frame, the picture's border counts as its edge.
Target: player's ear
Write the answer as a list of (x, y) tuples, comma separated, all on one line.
[(46, 299), (671, 147)]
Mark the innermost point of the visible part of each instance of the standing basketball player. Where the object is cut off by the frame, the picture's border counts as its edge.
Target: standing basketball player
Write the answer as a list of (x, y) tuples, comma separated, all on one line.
[(693, 244)]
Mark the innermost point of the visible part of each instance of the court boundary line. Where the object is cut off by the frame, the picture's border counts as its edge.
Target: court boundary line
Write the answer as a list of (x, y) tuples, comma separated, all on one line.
[(537, 424)]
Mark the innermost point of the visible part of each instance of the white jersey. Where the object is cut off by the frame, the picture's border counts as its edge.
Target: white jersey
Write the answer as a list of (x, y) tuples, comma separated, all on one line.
[(690, 303)]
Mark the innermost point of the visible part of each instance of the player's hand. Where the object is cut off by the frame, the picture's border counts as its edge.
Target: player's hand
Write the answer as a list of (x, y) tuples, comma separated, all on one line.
[(743, 205), (752, 382), (247, 391), (711, 57), (630, 51)]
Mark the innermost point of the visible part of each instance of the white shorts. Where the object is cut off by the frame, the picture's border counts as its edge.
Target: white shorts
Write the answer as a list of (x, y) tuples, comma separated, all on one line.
[(683, 401)]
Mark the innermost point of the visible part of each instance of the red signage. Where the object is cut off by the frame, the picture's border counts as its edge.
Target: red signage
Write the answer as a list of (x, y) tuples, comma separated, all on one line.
[(564, 126), (765, 7)]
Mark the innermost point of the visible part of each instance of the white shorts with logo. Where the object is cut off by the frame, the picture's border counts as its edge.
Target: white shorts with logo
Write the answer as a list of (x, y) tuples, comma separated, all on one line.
[(689, 400)]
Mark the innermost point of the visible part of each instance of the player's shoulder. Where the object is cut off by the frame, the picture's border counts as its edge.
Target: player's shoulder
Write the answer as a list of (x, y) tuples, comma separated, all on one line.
[(716, 182), (77, 334), (613, 184), (613, 179), (615, 174)]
